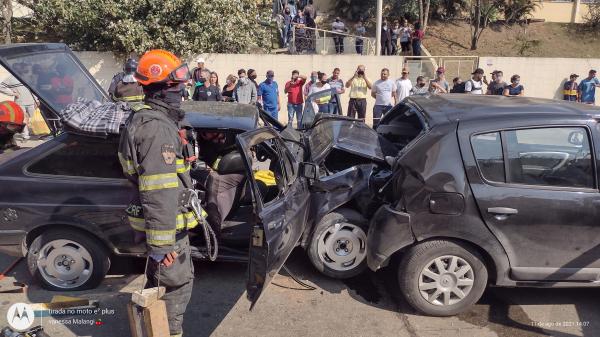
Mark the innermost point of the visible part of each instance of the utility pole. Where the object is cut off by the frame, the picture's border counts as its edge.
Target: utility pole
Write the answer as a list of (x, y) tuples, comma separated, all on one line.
[(379, 23)]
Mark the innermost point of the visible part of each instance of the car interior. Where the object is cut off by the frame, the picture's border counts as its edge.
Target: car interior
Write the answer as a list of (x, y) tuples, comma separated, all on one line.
[(226, 159)]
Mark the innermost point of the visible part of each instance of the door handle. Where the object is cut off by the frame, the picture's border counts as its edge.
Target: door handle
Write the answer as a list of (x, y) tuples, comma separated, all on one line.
[(502, 210), (502, 213)]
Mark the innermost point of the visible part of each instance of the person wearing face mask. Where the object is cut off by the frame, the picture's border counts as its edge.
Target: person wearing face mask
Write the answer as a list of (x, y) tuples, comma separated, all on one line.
[(253, 76), (293, 89), (245, 90), (321, 103), (359, 86), (338, 40), (514, 88), (268, 95), (496, 87), (210, 90), (420, 88), (386, 39), (151, 152)]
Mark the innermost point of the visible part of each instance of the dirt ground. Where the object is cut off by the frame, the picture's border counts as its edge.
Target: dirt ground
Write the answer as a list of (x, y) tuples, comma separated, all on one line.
[(534, 40)]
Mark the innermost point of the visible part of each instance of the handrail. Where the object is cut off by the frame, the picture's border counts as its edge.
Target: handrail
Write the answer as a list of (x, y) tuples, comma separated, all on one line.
[(333, 32), (369, 42)]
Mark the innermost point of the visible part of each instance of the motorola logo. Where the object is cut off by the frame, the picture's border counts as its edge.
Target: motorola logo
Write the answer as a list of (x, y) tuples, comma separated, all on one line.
[(20, 316)]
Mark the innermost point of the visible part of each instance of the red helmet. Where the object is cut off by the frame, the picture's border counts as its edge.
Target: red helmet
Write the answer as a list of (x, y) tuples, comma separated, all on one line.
[(12, 117), (11, 112), (161, 66)]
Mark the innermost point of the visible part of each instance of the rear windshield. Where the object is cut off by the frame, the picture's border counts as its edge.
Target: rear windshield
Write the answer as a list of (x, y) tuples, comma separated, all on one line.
[(401, 125), (55, 77)]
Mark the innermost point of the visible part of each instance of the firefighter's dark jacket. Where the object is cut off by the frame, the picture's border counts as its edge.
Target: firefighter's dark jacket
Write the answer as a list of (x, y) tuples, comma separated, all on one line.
[(150, 152)]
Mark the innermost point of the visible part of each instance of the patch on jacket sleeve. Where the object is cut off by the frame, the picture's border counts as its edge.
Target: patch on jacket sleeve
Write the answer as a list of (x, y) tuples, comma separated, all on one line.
[(168, 153)]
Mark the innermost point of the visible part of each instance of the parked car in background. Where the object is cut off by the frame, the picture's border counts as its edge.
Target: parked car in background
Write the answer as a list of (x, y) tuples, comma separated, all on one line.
[(497, 191)]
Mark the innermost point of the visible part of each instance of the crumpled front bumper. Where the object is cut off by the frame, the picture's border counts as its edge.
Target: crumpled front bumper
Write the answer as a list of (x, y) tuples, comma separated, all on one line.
[(389, 232)]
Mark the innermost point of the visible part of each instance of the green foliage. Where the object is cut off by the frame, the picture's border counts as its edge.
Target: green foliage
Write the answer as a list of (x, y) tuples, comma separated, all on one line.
[(592, 19), (184, 27), (355, 9), (519, 10)]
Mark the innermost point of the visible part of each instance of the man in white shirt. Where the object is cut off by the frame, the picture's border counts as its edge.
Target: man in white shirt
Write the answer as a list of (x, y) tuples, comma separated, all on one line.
[(403, 86), (384, 90), (474, 86)]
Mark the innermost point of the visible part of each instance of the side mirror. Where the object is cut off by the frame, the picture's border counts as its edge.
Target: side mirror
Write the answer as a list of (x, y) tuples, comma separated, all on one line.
[(576, 138), (308, 170)]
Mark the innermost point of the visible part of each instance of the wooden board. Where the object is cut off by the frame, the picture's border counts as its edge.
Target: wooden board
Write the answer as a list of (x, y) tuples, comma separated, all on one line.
[(155, 319), (150, 321)]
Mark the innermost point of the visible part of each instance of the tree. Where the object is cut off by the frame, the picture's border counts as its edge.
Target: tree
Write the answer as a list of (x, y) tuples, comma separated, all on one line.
[(592, 19), (7, 14), (184, 27), (481, 14), (424, 13)]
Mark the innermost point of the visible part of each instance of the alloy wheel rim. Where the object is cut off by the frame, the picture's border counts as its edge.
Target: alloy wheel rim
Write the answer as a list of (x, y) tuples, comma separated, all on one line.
[(65, 264), (342, 246), (446, 280)]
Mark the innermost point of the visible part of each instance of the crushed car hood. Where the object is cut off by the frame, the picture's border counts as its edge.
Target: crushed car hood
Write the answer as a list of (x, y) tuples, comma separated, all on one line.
[(347, 135)]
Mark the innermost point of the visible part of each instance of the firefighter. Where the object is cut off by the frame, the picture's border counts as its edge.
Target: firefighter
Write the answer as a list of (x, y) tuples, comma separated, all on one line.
[(151, 152), (124, 86), (12, 121)]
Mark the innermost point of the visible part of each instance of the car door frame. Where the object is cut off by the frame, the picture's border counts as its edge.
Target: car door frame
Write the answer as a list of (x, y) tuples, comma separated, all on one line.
[(469, 129), (283, 227)]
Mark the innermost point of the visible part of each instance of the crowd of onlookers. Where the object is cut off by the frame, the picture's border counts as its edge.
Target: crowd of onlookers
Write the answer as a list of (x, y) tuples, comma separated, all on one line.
[(299, 27), (246, 88)]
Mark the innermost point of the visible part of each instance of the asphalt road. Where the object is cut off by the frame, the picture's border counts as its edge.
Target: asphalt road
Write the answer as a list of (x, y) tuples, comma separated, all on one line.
[(367, 305)]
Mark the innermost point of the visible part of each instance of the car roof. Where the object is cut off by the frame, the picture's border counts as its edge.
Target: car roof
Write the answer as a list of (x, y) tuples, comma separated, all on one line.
[(221, 115), (440, 109)]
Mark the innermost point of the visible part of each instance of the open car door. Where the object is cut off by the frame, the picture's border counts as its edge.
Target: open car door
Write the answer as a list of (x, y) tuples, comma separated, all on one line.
[(316, 103), (53, 74), (281, 205)]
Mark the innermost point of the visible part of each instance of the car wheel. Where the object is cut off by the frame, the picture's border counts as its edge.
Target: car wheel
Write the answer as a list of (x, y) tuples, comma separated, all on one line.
[(339, 244), (67, 260), (442, 278)]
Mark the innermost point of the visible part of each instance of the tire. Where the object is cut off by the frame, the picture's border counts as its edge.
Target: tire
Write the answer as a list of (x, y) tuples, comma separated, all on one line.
[(67, 259), (349, 238), (423, 260)]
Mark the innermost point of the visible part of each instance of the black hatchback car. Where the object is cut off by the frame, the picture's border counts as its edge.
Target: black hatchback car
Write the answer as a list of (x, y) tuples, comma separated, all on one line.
[(497, 191), (62, 203)]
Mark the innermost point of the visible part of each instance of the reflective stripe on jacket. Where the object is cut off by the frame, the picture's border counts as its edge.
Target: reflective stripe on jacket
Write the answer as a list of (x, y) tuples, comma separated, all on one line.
[(151, 155)]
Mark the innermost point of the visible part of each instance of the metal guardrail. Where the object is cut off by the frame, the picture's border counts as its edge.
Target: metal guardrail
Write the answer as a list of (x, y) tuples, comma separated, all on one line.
[(320, 41)]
